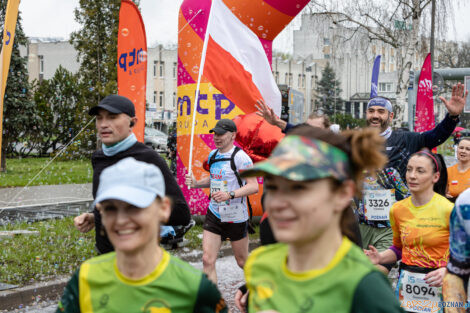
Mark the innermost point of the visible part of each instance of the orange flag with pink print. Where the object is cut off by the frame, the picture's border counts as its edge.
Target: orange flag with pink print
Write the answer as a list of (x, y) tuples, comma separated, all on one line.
[(132, 61)]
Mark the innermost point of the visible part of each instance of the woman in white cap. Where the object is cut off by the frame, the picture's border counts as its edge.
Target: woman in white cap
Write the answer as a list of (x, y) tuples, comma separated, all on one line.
[(139, 276)]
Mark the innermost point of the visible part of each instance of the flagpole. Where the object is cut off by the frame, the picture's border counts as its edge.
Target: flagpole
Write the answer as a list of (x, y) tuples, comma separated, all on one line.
[(201, 70)]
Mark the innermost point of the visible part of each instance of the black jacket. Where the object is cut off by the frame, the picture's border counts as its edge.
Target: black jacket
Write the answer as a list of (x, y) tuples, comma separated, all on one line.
[(180, 214)]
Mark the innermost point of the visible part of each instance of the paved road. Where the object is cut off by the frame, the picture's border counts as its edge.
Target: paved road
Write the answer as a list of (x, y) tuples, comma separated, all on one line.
[(230, 277)]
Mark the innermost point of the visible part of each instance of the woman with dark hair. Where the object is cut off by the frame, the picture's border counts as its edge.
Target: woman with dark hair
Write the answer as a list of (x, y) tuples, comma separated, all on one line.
[(310, 179), (420, 225)]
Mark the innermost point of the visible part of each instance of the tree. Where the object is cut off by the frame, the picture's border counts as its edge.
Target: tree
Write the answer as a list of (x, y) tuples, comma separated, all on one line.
[(454, 55), (328, 92), (20, 115), (396, 23), (57, 100), (346, 121)]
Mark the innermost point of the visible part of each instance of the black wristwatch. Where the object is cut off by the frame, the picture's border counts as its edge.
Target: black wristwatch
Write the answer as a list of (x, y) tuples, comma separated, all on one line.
[(232, 194)]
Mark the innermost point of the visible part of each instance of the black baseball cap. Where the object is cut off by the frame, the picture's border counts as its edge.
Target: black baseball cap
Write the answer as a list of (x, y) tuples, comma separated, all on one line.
[(224, 125), (115, 104)]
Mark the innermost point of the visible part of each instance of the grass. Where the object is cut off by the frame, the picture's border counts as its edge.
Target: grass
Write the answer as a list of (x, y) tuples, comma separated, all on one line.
[(21, 171), (58, 250)]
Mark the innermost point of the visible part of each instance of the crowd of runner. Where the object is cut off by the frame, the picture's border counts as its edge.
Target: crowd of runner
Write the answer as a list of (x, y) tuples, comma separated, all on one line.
[(340, 210)]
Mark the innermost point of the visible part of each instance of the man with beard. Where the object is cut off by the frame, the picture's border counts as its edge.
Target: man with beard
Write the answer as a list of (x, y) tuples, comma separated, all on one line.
[(389, 186)]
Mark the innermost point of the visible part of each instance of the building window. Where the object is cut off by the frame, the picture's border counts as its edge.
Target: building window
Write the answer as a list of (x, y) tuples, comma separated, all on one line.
[(392, 67), (374, 49), (312, 82), (290, 79), (41, 64), (175, 66), (155, 68), (303, 80), (286, 79), (326, 56), (174, 100), (382, 66), (326, 41), (154, 97), (299, 81), (162, 68), (161, 99), (385, 87)]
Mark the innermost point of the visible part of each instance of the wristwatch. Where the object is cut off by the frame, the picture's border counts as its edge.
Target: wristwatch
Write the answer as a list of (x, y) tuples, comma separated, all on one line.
[(232, 194)]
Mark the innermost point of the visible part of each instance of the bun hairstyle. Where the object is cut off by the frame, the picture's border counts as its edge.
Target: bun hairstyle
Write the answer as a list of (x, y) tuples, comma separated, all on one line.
[(438, 165), (364, 148)]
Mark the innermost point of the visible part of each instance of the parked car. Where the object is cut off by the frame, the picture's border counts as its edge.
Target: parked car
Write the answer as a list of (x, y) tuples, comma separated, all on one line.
[(155, 139)]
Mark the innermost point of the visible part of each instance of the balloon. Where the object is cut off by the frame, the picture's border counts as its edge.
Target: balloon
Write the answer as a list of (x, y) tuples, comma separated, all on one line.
[(266, 19)]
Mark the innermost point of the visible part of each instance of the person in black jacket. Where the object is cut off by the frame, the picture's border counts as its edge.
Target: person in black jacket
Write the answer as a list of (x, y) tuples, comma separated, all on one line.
[(115, 118)]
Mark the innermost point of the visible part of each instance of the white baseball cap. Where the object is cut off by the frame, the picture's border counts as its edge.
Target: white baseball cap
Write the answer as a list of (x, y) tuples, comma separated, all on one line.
[(135, 182)]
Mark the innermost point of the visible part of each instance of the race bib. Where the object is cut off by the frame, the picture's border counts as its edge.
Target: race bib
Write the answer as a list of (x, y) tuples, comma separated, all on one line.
[(218, 185), (377, 204), (416, 295), (232, 212)]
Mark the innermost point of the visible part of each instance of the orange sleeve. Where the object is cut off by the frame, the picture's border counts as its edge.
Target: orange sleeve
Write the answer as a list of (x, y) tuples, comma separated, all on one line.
[(395, 226)]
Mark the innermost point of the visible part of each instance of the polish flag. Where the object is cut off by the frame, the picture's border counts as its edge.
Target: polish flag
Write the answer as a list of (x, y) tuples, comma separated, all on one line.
[(236, 63)]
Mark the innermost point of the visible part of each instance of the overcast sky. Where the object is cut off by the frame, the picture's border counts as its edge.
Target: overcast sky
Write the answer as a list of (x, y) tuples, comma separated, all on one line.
[(54, 18)]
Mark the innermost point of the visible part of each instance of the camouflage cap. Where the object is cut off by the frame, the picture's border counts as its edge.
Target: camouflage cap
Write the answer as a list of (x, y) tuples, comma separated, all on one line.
[(300, 158)]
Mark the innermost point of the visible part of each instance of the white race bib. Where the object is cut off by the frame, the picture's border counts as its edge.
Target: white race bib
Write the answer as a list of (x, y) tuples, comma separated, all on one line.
[(232, 212), (377, 204), (416, 295)]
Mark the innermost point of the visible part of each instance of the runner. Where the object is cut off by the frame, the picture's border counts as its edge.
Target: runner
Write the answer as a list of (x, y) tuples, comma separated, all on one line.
[(420, 226), (455, 287), (459, 175), (400, 145), (140, 276), (310, 179), (115, 118), (227, 215)]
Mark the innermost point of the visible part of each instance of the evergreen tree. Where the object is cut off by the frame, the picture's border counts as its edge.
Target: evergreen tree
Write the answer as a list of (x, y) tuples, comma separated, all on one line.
[(328, 92), (20, 117), (57, 100)]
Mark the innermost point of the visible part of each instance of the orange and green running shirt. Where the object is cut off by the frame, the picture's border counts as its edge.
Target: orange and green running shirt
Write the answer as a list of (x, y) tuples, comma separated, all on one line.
[(457, 182), (422, 232)]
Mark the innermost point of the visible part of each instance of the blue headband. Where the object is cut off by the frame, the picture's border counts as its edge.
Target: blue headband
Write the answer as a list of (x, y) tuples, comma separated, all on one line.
[(381, 102)]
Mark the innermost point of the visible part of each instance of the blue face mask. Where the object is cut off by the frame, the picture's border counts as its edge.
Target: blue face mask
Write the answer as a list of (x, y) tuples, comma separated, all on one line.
[(120, 146)]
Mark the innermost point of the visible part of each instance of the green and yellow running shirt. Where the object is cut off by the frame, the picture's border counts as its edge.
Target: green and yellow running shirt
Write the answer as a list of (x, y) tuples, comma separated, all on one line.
[(173, 287), (349, 283)]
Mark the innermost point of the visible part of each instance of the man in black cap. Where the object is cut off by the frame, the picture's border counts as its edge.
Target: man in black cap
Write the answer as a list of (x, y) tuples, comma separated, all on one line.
[(115, 117), (227, 215)]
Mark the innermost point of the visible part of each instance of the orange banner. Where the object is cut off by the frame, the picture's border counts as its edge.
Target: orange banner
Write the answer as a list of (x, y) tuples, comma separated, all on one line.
[(132, 61), (5, 56)]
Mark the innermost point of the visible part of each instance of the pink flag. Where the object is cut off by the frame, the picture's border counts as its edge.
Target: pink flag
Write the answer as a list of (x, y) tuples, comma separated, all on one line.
[(424, 119)]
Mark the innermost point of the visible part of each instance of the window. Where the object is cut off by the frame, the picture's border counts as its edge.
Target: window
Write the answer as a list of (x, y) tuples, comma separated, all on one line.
[(175, 66), (154, 97), (382, 66), (326, 41), (299, 82), (303, 80), (286, 79), (174, 100), (162, 68), (41, 64), (374, 49), (385, 87), (161, 99), (312, 82), (392, 67), (155, 68), (326, 56)]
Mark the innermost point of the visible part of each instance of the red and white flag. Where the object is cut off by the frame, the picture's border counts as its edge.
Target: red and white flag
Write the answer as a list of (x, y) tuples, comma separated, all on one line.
[(236, 63)]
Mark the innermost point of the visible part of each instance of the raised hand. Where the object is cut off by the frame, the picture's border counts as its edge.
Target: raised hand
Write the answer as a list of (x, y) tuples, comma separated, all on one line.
[(456, 103)]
